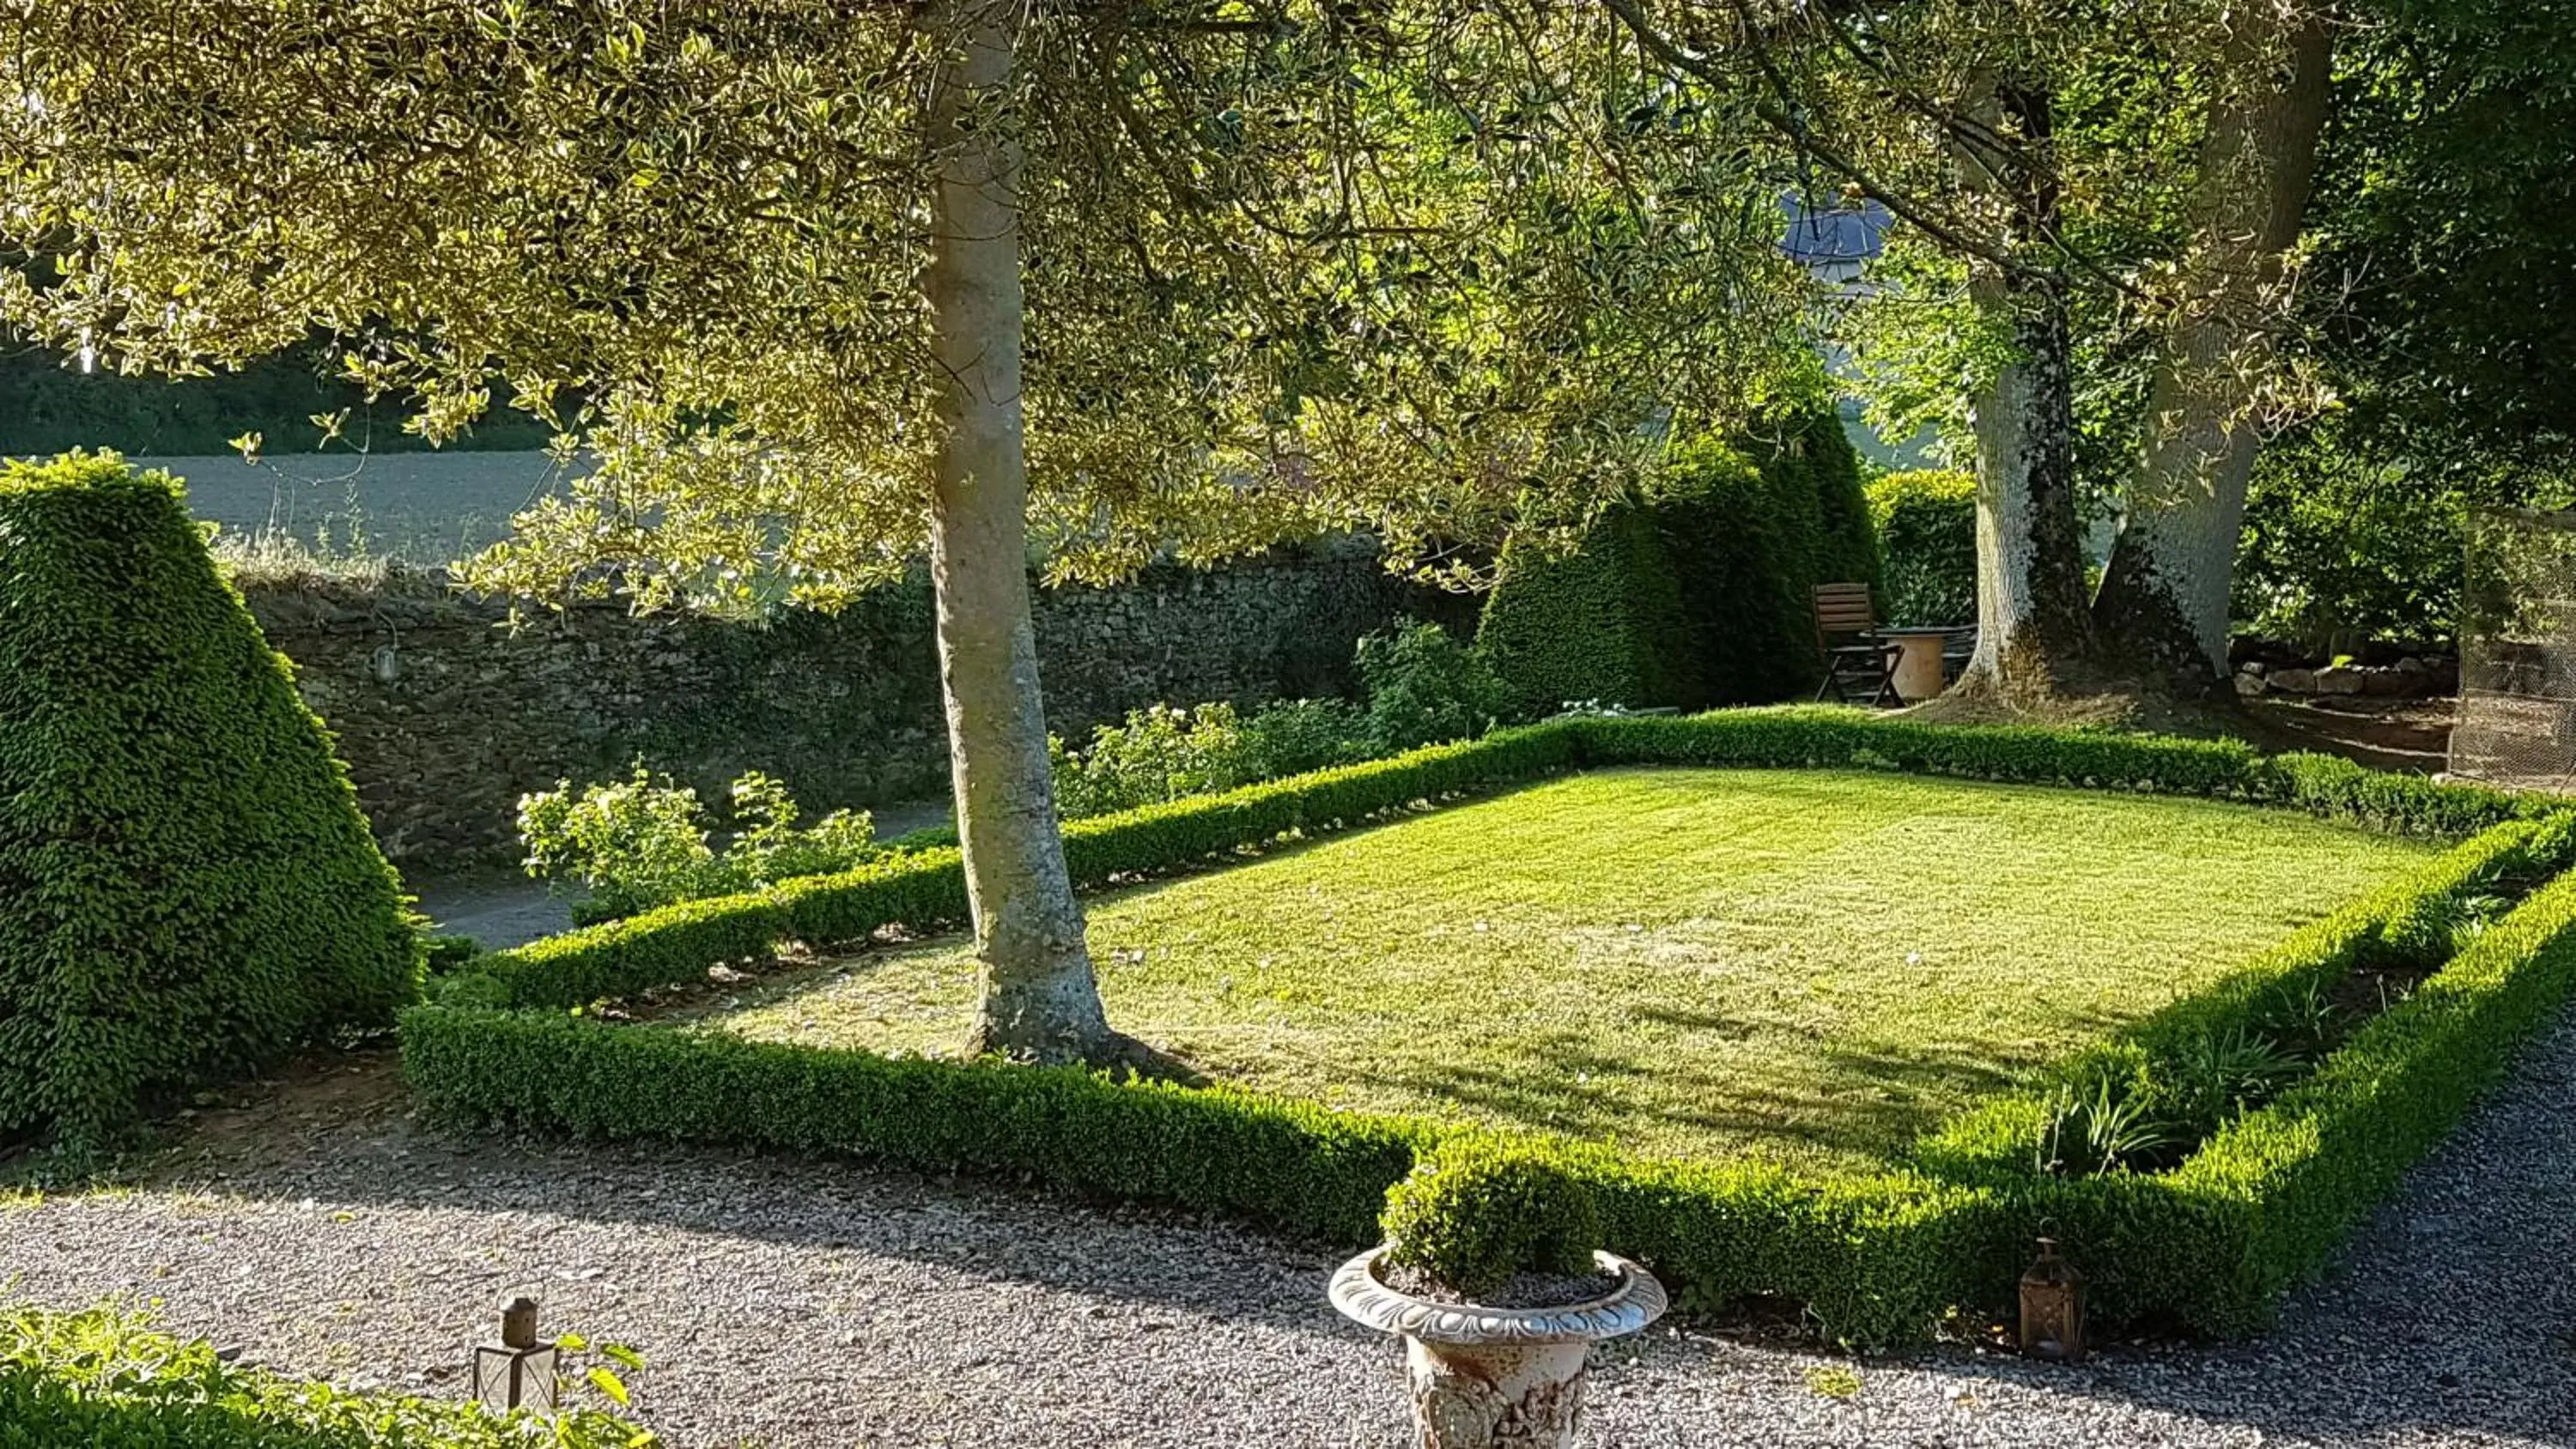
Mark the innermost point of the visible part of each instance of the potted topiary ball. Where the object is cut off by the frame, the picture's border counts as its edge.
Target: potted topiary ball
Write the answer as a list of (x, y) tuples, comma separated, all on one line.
[(1492, 1274)]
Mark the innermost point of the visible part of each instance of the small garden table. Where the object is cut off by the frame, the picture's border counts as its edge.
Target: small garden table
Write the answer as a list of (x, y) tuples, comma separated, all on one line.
[(1918, 660)]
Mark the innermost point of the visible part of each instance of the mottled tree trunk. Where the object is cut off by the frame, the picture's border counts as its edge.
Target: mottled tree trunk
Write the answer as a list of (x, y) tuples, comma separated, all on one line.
[(2033, 638), (1040, 1000), (2034, 634), (2163, 606)]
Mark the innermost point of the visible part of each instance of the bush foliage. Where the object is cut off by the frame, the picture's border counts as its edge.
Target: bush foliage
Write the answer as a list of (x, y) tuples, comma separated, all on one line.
[(641, 843), (1423, 687), (1478, 1210), (187, 888), (105, 1379), (1926, 522), (1699, 590), (1420, 686), (1601, 622)]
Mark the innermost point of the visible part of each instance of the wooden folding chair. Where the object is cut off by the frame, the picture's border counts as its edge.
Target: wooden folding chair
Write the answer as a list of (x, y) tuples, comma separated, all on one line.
[(1856, 660)]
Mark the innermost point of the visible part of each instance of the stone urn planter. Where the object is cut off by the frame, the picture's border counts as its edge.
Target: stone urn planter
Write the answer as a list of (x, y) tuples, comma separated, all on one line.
[(1509, 1378)]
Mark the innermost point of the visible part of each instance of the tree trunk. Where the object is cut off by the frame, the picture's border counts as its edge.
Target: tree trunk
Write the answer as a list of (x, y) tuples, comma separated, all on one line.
[(2163, 606), (1040, 1000), (2033, 639), (2034, 636)]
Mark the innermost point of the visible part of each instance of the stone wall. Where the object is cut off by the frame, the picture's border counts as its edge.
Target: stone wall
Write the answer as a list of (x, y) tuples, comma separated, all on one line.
[(446, 716)]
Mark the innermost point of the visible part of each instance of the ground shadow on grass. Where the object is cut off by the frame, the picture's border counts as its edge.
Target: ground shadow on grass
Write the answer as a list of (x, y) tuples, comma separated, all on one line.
[(2448, 1323), (1854, 1107)]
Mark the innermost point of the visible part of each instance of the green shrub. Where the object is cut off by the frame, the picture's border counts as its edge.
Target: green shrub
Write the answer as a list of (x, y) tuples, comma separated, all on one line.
[(1874, 1259), (1812, 441), (1601, 621), (1476, 1211), (633, 845), (450, 954), (638, 844), (187, 889), (1289, 1164), (104, 1379), (1161, 753), (1927, 542), (2323, 785), (1297, 736), (2326, 1152), (2181, 1074), (1748, 541), (1425, 688), (2266, 1201), (1697, 591), (677, 944)]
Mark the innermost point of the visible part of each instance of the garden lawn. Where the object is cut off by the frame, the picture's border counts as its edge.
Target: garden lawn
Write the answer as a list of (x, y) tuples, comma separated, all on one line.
[(1816, 965)]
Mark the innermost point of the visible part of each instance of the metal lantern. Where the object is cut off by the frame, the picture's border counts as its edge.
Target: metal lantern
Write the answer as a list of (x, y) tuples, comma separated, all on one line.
[(518, 1372), (2052, 1307)]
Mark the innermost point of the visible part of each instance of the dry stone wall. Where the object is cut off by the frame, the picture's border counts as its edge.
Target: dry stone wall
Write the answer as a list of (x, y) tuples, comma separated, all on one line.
[(446, 715)]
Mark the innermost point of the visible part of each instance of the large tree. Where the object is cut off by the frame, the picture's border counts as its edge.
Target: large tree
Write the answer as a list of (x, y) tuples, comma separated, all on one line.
[(2168, 587), (838, 284), (2072, 177)]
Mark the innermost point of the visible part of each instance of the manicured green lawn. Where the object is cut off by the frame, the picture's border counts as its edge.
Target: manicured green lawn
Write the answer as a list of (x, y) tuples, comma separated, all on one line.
[(1813, 964)]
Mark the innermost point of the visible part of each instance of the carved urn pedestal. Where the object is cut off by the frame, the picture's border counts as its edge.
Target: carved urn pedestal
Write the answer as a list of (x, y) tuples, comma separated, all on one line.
[(1498, 1378)]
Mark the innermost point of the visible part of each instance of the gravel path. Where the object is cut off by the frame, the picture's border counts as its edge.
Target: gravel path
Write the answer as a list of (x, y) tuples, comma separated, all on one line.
[(786, 1304)]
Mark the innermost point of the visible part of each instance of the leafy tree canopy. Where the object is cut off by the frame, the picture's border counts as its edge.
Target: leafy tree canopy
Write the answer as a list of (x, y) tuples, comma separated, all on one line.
[(1290, 266)]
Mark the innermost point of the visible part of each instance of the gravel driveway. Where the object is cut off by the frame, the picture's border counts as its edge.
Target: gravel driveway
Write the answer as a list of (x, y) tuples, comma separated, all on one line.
[(786, 1304)]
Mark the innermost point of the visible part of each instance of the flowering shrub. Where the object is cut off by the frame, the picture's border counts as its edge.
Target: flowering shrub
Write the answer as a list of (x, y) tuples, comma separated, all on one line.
[(641, 843)]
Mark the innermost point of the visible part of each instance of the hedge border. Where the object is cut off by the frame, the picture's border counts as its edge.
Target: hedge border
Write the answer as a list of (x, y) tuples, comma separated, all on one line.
[(1875, 1258), (675, 945)]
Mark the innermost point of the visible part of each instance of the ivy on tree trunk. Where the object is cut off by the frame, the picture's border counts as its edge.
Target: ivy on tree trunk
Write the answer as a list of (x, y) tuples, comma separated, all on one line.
[(2034, 634)]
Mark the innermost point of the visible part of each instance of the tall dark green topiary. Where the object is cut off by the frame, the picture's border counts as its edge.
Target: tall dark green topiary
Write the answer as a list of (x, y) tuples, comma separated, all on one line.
[(1603, 622), (187, 889), (1699, 591), (1812, 443), (1741, 538)]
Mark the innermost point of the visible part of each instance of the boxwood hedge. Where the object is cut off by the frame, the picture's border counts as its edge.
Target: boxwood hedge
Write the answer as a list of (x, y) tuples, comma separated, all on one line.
[(1874, 1259), (677, 944), (187, 888)]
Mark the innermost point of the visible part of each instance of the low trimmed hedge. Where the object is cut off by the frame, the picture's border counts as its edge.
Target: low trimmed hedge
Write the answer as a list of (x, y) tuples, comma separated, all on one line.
[(1874, 1259), (675, 945), (1813, 736), (1285, 1163), (2268, 1199), (2307, 1167), (2402, 925), (103, 1379)]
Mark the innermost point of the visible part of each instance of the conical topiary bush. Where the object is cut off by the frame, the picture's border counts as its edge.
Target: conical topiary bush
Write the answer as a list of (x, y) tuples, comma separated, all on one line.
[(187, 888)]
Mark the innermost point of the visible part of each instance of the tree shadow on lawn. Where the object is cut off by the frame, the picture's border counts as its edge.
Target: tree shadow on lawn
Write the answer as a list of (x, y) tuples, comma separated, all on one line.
[(2450, 1317), (1848, 1106)]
